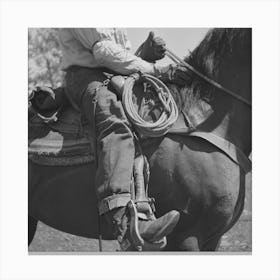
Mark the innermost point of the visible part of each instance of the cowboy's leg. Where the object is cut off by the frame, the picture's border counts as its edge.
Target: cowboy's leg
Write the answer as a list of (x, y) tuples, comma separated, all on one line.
[(115, 146), (114, 141), (115, 167), (115, 159)]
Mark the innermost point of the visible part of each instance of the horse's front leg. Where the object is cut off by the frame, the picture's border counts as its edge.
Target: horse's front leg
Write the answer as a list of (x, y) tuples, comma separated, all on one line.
[(191, 243), (32, 226), (194, 238), (185, 237)]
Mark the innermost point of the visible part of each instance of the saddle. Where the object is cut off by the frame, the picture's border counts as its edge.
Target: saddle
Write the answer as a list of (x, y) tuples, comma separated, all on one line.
[(59, 135)]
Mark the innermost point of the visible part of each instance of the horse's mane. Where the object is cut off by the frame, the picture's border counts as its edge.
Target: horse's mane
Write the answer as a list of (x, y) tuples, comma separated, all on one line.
[(219, 46)]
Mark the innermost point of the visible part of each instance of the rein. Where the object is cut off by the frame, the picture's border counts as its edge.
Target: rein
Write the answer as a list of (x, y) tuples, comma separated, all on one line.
[(178, 60)]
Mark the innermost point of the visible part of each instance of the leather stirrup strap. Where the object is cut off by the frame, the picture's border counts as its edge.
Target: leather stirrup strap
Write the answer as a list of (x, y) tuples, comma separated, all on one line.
[(141, 184)]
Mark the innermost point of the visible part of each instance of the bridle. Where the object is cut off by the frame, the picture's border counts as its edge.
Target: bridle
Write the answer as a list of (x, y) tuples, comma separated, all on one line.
[(178, 60)]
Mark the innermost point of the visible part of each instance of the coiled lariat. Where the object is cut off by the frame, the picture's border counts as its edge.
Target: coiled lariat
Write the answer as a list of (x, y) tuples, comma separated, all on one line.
[(168, 115)]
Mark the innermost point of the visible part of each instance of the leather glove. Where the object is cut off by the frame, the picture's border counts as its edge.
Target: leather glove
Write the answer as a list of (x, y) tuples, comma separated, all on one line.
[(173, 73), (153, 48)]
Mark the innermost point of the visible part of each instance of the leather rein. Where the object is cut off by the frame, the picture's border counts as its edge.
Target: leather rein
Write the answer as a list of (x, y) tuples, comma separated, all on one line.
[(178, 60)]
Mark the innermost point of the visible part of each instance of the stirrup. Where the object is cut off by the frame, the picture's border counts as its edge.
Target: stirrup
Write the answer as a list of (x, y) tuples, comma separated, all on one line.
[(133, 240)]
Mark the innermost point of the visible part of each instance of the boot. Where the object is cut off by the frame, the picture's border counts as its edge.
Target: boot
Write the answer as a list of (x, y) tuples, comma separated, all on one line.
[(154, 230), (151, 230)]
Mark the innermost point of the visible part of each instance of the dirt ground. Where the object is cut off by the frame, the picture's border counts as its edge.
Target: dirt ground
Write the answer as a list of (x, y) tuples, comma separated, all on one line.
[(47, 239), (238, 239)]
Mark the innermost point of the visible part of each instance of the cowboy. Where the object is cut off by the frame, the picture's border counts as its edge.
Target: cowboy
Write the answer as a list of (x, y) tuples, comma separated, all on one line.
[(87, 54)]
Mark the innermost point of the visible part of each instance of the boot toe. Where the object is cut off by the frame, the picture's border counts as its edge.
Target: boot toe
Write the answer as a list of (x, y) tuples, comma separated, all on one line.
[(155, 230)]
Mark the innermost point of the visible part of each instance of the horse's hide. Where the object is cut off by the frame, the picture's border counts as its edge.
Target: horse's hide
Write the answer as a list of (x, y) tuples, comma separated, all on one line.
[(66, 142)]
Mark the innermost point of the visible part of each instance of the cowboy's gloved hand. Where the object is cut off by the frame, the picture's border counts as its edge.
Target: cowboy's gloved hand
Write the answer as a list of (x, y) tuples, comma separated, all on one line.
[(176, 74), (153, 48)]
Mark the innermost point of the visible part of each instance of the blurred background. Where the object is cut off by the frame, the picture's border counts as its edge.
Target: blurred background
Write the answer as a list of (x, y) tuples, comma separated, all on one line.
[(44, 58)]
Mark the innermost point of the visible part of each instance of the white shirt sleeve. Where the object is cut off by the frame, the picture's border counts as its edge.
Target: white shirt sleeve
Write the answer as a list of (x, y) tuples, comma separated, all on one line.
[(87, 36), (109, 53)]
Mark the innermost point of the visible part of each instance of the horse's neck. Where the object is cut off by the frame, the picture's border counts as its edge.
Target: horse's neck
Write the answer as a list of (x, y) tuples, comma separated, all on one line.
[(239, 128), (233, 125)]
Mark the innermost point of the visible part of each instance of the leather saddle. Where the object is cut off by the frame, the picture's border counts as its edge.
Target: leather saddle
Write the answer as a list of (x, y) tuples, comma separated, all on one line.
[(59, 135)]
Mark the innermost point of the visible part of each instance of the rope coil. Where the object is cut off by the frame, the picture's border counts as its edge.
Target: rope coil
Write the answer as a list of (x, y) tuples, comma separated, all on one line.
[(168, 116)]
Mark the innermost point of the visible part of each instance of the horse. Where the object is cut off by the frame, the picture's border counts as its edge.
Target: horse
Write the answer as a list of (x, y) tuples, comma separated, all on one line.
[(199, 171)]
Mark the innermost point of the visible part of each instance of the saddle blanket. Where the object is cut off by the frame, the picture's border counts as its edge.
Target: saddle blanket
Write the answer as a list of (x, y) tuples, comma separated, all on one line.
[(66, 142)]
